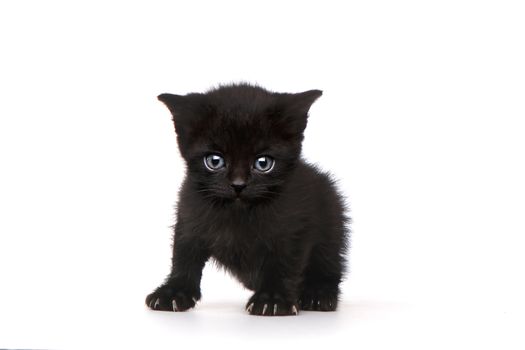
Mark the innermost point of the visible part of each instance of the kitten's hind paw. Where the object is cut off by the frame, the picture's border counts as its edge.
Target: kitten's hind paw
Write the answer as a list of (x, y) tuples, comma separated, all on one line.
[(266, 304), (169, 298)]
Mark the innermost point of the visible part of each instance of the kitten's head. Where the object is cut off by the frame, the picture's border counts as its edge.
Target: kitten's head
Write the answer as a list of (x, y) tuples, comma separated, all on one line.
[(240, 141)]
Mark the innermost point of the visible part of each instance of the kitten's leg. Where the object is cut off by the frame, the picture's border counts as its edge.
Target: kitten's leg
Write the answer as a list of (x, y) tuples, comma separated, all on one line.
[(322, 276), (276, 293), (181, 290)]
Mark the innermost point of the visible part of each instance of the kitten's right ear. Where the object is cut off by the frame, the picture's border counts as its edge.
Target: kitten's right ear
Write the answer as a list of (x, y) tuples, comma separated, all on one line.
[(184, 109), (169, 99), (177, 104)]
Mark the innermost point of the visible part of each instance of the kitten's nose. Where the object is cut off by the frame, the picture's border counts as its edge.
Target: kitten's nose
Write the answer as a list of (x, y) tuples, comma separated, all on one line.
[(238, 185)]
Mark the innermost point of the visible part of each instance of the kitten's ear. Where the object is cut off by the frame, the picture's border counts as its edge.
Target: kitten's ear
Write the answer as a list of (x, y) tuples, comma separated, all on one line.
[(300, 103), (292, 110), (173, 102), (187, 112), (184, 109)]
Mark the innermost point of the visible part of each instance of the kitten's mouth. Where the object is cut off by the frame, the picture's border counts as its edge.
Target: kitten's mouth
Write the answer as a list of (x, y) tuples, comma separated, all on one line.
[(239, 199), (239, 202)]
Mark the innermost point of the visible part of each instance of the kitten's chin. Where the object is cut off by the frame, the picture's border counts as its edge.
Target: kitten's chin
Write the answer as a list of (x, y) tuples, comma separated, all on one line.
[(230, 200), (239, 201)]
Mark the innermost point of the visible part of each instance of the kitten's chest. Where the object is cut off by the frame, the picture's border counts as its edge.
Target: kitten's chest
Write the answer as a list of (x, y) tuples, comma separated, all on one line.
[(237, 230), (239, 245), (235, 239)]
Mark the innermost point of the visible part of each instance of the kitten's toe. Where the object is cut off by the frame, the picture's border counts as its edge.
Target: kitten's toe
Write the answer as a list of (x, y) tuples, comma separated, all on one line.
[(169, 298), (249, 308), (319, 299), (294, 310), (270, 304)]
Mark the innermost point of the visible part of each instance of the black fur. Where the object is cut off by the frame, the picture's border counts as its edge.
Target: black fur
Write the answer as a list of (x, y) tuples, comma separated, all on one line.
[(284, 235)]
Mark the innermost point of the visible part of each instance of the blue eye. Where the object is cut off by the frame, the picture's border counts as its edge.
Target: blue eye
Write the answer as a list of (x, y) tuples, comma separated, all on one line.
[(214, 162), (264, 164)]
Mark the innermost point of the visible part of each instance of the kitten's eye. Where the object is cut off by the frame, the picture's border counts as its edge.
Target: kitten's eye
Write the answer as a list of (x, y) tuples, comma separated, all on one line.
[(214, 162), (264, 164)]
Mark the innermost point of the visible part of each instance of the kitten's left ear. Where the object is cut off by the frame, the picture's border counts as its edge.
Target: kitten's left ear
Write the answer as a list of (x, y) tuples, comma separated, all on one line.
[(300, 103), (292, 110)]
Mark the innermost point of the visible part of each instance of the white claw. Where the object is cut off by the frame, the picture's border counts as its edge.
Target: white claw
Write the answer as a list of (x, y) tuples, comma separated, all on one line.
[(319, 303), (194, 300), (294, 310), (157, 302), (174, 305), (275, 309), (249, 308), (264, 308)]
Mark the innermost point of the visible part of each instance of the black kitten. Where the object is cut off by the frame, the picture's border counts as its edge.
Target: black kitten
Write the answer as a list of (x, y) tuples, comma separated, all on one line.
[(250, 202)]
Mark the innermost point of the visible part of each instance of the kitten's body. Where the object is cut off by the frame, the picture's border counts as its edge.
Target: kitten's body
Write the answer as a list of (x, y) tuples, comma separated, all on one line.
[(284, 234)]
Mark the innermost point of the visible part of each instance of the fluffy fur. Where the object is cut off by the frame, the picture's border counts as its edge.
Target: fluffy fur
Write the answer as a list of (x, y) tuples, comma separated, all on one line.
[(283, 233)]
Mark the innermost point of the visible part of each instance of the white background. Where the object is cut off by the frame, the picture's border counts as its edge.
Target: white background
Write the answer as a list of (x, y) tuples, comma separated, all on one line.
[(421, 120)]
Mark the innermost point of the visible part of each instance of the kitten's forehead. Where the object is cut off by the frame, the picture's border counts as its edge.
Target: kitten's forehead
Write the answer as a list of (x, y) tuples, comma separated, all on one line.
[(239, 120), (246, 98), (240, 133)]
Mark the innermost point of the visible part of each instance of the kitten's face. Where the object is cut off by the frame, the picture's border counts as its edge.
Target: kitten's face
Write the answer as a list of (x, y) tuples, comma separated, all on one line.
[(240, 142), (241, 160)]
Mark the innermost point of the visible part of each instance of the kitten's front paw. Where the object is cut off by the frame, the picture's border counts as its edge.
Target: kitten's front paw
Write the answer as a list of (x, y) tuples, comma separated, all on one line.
[(169, 298), (319, 299), (270, 304)]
